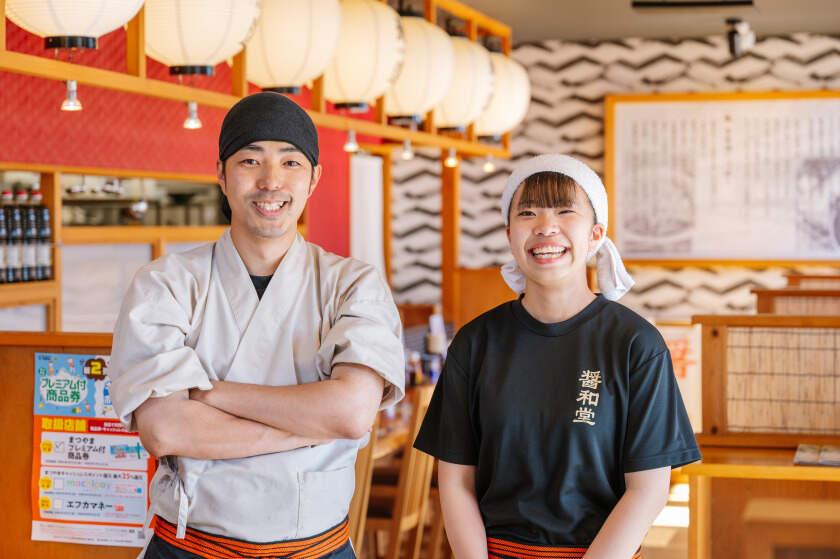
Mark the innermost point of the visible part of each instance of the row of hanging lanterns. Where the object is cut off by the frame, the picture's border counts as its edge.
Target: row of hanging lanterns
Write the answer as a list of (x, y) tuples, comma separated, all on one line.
[(363, 48)]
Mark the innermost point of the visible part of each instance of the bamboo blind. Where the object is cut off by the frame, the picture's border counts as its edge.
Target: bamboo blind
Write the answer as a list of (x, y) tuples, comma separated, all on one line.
[(807, 306), (783, 380)]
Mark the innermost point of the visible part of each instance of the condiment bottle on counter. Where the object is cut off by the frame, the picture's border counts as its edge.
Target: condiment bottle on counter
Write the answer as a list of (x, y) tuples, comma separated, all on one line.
[(415, 368)]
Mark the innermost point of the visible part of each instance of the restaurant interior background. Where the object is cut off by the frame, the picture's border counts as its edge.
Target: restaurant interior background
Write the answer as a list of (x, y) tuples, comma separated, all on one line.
[(134, 181)]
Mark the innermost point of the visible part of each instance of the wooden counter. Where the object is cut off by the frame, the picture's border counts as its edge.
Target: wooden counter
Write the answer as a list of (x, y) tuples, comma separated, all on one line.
[(733, 463)]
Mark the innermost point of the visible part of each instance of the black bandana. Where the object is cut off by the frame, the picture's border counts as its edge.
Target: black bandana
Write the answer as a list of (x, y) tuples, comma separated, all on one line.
[(266, 116)]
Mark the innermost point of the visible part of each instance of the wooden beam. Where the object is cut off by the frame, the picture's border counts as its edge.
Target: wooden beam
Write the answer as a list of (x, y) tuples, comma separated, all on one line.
[(37, 66), (51, 190), (239, 74), (63, 339), (103, 171), (450, 214), (135, 45), (466, 13)]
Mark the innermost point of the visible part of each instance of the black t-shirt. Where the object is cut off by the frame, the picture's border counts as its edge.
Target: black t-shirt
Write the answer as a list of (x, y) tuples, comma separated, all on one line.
[(554, 415), (260, 284)]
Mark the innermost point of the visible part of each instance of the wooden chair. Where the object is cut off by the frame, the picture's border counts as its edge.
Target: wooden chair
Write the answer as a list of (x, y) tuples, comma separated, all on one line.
[(361, 495), (402, 510)]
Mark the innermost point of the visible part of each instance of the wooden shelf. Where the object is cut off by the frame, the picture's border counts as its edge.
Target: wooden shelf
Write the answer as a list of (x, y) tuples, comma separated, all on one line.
[(28, 293), (139, 234)]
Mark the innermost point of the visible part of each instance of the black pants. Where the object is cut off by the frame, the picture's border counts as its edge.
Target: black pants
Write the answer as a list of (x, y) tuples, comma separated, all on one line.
[(159, 549)]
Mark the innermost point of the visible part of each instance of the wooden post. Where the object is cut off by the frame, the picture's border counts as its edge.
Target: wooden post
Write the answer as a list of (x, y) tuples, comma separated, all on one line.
[(317, 102), (2, 25), (239, 75), (700, 517), (387, 187), (713, 355), (430, 13), (135, 45), (51, 190), (158, 248), (379, 111), (450, 214)]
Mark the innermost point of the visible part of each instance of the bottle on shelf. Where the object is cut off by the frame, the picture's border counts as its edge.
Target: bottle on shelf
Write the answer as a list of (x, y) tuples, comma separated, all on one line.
[(14, 248), (44, 249), (29, 264), (4, 238)]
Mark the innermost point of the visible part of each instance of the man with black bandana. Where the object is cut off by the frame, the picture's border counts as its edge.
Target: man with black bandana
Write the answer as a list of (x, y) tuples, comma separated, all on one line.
[(253, 366)]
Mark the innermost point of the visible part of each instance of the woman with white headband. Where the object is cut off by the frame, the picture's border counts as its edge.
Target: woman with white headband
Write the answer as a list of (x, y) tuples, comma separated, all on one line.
[(557, 418)]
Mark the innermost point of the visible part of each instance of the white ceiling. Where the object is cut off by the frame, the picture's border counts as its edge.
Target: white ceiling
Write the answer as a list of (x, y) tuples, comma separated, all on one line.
[(580, 20)]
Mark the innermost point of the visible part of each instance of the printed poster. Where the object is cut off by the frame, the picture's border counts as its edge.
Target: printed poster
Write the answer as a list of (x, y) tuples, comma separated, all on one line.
[(90, 477)]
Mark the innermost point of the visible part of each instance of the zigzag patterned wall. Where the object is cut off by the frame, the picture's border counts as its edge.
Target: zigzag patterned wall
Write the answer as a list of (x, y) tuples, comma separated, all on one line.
[(568, 85)]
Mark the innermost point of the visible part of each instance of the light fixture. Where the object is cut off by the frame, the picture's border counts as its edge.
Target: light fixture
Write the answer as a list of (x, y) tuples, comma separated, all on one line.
[(351, 145), (368, 55), (71, 101), (192, 36), (66, 24), (283, 54), (471, 86), (451, 159), (426, 70), (510, 99), (192, 122), (407, 151), (488, 166)]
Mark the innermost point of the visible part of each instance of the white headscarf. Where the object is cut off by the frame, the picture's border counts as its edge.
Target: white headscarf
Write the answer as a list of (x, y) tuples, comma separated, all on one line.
[(613, 279)]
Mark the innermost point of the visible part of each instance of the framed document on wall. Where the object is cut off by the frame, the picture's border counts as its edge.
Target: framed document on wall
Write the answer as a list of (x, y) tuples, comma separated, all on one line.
[(729, 177)]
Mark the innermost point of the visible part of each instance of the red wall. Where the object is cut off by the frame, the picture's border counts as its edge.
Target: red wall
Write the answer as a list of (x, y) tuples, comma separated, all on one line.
[(128, 131)]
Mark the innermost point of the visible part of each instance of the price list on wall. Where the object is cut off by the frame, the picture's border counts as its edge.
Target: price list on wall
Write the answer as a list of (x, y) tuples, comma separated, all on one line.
[(739, 179)]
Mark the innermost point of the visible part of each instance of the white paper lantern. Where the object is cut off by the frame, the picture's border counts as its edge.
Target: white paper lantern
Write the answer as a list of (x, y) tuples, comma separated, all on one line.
[(72, 18), (426, 69), (369, 53), (198, 33), (510, 99), (293, 42), (471, 86)]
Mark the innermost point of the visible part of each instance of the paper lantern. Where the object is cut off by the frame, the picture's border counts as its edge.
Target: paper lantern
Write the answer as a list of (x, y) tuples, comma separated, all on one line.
[(71, 23), (293, 42), (510, 99), (368, 55), (471, 86), (192, 36), (426, 69)]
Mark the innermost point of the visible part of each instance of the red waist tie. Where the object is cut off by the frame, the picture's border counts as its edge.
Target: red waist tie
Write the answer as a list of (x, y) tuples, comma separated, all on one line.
[(210, 546), (503, 549)]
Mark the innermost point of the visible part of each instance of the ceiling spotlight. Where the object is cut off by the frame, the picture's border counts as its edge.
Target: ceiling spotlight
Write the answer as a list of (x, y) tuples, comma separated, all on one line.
[(488, 166), (407, 152), (192, 122), (71, 101), (740, 36), (451, 159), (351, 145)]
